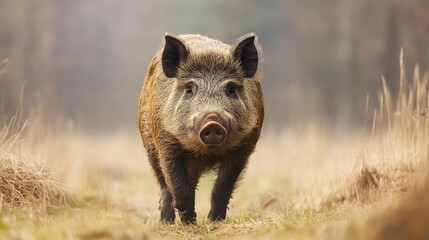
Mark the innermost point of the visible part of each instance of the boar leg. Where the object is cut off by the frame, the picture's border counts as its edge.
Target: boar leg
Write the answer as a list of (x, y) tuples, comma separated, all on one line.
[(229, 172), (167, 211), (176, 176)]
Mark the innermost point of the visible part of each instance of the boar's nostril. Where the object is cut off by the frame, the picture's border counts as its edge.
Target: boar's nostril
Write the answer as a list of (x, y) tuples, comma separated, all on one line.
[(212, 133)]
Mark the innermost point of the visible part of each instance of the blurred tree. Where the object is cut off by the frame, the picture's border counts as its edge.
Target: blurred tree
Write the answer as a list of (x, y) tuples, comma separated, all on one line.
[(85, 60)]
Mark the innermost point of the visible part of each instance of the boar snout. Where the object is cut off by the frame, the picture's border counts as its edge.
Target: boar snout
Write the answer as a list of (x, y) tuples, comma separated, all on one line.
[(212, 133), (213, 130)]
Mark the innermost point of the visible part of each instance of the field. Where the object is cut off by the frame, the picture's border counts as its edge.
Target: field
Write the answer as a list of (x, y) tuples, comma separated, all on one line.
[(301, 183)]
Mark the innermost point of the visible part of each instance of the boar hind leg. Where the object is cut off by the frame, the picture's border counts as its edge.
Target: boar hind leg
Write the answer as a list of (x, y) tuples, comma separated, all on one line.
[(229, 172), (167, 211)]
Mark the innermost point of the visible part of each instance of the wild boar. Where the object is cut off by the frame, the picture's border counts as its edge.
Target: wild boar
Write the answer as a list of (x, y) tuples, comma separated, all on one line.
[(201, 109)]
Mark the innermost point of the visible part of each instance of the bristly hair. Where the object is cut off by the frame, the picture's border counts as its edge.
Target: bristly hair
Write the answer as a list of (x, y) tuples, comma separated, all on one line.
[(210, 63)]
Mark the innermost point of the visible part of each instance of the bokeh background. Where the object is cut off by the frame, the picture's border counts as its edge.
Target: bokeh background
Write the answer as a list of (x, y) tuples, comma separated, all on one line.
[(323, 168), (85, 61)]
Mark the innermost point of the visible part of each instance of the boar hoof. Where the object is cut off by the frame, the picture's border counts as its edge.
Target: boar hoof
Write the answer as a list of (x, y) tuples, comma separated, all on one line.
[(168, 216), (188, 217)]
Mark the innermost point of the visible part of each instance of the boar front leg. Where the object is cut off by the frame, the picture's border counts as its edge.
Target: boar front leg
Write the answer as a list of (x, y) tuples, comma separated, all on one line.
[(167, 211), (174, 169), (229, 172)]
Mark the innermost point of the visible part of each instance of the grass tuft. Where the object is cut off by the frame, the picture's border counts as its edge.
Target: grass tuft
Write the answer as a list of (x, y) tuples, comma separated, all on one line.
[(397, 147), (24, 183)]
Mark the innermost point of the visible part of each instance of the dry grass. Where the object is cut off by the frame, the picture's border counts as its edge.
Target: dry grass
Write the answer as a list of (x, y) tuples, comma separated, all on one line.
[(301, 183), (3, 66), (407, 220), (25, 183), (397, 147), (397, 183)]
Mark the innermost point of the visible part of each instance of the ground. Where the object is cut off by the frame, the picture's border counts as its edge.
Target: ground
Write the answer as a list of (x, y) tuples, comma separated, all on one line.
[(291, 178)]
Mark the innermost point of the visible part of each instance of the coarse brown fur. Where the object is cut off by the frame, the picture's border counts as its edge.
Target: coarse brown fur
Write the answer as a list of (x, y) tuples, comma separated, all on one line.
[(169, 117)]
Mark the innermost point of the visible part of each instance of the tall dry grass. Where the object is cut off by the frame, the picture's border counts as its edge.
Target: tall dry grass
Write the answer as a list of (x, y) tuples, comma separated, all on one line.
[(407, 121), (24, 183), (3, 66), (394, 147)]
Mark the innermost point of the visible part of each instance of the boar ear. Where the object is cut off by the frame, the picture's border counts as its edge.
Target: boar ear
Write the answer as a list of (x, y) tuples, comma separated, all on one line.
[(174, 52), (246, 53)]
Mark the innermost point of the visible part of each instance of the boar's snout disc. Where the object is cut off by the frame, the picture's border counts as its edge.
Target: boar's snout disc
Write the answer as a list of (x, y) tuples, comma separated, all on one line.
[(212, 133)]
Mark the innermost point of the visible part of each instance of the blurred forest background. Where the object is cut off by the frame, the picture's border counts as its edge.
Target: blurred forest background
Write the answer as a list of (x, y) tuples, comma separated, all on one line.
[(85, 61)]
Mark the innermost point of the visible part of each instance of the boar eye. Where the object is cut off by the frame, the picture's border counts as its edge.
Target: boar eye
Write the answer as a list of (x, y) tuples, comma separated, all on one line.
[(190, 90), (231, 90)]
